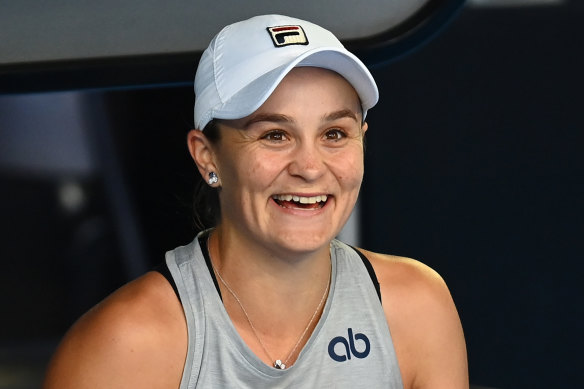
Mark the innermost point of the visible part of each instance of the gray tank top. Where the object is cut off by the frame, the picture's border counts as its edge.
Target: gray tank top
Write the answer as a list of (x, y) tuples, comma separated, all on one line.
[(351, 346)]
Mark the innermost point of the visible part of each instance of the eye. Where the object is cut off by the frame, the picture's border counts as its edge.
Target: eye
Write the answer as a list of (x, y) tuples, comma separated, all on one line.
[(335, 134), (275, 136)]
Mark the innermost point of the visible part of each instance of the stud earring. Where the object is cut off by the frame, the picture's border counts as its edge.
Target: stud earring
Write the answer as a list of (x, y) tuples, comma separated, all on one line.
[(213, 179)]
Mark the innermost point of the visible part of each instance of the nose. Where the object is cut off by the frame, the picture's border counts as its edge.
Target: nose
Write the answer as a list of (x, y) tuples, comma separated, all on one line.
[(307, 162)]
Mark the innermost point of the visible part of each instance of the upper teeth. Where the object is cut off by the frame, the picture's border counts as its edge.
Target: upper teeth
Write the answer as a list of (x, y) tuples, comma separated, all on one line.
[(301, 199)]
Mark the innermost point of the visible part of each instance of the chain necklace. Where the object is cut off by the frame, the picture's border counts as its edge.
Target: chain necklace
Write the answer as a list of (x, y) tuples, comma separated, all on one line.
[(278, 364)]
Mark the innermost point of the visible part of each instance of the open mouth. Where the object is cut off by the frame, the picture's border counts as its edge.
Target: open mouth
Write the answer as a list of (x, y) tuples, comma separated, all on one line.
[(300, 202)]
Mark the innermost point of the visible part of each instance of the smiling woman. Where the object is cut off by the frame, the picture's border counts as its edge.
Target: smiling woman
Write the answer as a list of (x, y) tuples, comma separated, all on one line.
[(304, 142), (265, 296)]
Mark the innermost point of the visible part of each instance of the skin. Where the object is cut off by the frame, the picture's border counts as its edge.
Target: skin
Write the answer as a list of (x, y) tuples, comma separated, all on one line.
[(305, 140)]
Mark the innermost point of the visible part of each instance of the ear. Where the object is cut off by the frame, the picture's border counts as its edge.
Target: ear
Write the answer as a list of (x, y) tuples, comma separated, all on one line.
[(364, 128), (202, 153)]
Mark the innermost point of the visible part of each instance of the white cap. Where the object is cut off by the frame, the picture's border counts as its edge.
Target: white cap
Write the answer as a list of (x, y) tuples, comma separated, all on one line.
[(247, 60)]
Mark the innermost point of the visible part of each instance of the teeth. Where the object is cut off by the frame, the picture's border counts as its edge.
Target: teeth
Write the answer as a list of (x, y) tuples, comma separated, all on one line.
[(301, 199)]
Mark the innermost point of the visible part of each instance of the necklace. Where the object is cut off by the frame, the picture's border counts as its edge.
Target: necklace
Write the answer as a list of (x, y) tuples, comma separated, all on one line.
[(278, 364)]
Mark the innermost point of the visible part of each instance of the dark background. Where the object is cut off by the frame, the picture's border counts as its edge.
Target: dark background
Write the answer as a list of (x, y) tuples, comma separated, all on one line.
[(473, 166)]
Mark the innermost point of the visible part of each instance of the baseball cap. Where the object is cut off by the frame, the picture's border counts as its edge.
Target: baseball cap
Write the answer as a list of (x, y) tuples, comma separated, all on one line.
[(247, 60)]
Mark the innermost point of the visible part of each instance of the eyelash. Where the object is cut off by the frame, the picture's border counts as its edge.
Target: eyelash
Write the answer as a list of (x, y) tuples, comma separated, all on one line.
[(269, 136), (334, 135), (338, 134)]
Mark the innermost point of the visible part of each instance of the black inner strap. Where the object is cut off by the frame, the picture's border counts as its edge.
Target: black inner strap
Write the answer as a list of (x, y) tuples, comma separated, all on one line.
[(203, 243), (371, 272), (163, 269)]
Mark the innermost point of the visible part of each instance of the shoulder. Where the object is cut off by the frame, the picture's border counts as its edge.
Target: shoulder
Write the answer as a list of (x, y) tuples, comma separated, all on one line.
[(424, 322), (399, 274), (136, 337), (411, 290)]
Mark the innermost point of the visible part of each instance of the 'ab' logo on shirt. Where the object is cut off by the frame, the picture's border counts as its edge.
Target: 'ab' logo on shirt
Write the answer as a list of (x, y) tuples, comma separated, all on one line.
[(349, 348)]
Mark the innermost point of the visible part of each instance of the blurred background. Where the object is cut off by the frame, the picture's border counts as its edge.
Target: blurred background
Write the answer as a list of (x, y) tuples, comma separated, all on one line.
[(474, 164)]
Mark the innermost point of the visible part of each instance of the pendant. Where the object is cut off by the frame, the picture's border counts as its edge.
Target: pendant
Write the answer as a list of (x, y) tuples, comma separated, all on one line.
[(279, 365)]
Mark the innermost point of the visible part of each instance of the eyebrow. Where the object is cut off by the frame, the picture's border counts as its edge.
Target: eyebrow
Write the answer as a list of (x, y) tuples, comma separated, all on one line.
[(268, 117), (280, 118), (343, 113)]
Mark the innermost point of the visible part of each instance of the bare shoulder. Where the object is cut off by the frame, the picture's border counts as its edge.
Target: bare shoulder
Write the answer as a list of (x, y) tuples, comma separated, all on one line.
[(424, 323), (136, 337), (398, 275)]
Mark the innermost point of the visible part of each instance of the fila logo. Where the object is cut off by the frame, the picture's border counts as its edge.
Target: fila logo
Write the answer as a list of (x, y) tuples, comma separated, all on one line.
[(349, 347), (287, 35)]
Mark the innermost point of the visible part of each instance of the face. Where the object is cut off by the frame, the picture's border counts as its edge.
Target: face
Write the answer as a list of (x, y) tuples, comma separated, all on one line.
[(291, 171)]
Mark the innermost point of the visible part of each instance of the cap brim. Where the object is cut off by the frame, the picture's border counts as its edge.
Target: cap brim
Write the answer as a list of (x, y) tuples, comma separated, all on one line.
[(252, 96)]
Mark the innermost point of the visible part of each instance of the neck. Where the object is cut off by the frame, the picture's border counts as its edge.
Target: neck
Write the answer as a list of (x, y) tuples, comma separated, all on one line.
[(252, 268)]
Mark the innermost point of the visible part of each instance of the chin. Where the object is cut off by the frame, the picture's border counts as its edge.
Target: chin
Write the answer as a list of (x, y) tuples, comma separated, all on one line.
[(303, 240)]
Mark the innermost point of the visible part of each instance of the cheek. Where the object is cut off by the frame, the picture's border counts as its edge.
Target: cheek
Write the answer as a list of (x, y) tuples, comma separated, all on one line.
[(238, 166), (348, 169), (261, 169), (351, 180)]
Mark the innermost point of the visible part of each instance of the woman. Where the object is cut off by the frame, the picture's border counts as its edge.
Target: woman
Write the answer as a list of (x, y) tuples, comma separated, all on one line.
[(268, 297)]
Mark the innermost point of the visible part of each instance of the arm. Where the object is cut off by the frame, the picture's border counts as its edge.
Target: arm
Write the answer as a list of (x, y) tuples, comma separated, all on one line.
[(136, 338), (424, 323)]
